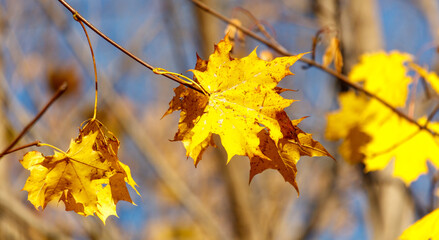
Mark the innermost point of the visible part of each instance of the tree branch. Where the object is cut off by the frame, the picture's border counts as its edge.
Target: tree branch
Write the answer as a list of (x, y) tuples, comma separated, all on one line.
[(281, 50), (58, 93), (80, 18), (23, 147)]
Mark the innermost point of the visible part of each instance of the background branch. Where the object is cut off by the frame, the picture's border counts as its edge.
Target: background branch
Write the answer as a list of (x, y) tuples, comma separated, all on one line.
[(23, 147), (58, 93)]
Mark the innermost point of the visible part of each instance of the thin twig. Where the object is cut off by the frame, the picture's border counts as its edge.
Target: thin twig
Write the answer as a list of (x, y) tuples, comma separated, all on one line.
[(58, 93), (434, 182), (36, 143), (315, 40), (277, 47), (435, 110), (412, 98), (80, 18), (259, 25), (280, 49)]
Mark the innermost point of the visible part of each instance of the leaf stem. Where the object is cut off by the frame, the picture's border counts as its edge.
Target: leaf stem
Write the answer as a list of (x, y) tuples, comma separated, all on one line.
[(281, 50), (162, 71), (259, 25), (58, 93), (51, 146), (94, 64), (80, 18)]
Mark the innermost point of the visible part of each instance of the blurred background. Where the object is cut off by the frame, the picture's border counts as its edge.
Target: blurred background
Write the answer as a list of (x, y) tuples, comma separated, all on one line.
[(41, 46)]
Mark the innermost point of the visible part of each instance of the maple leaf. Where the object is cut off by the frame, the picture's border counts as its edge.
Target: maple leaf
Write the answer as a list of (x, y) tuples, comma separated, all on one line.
[(88, 178), (375, 135), (425, 228), (385, 75), (243, 106), (333, 53)]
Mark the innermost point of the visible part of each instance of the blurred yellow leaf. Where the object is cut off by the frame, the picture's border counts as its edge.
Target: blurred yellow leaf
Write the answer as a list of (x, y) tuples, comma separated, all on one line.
[(430, 77), (425, 228), (243, 106), (333, 53), (88, 178), (385, 75), (374, 134)]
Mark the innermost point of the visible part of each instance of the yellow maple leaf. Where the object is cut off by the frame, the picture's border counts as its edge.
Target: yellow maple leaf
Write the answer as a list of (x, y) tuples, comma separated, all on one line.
[(333, 53), (243, 106), (385, 75), (88, 178), (425, 228), (375, 135)]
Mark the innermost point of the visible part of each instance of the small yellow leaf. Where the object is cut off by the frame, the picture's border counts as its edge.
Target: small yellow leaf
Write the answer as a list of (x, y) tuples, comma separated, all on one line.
[(88, 178), (232, 31), (425, 228), (243, 106), (333, 53)]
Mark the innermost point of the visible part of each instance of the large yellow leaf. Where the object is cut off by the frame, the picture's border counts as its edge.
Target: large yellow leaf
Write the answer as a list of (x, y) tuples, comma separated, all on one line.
[(243, 106), (425, 228), (385, 75), (375, 135), (88, 178), (371, 132)]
